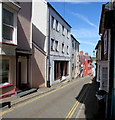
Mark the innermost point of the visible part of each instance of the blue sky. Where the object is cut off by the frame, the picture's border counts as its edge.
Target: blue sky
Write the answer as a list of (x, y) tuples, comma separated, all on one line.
[(84, 18)]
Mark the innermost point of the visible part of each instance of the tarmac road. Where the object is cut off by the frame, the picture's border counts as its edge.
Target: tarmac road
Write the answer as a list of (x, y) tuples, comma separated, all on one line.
[(64, 102)]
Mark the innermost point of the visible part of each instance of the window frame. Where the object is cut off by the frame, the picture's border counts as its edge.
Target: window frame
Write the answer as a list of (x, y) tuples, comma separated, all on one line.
[(8, 25)]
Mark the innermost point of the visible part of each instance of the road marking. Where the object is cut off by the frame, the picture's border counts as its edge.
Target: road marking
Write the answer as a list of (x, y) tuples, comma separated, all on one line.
[(36, 98), (73, 109)]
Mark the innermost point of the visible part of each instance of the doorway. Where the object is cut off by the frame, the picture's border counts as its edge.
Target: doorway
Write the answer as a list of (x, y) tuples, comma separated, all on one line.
[(22, 72)]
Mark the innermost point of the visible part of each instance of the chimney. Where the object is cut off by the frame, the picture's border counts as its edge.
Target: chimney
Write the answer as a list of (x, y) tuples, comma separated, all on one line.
[(81, 52), (86, 54)]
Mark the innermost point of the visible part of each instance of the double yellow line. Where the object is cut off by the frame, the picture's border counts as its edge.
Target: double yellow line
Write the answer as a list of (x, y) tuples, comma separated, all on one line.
[(73, 109), (33, 99)]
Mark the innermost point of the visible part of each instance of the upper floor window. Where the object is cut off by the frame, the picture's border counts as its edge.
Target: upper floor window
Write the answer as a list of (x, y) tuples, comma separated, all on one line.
[(52, 44), (52, 22), (63, 31), (67, 49), (57, 44), (57, 25), (67, 33), (8, 26), (62, 47)]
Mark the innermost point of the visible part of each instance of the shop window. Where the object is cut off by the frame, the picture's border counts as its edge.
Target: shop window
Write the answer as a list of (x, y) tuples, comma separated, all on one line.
[(4, 64), (8, 26), (61, 69)]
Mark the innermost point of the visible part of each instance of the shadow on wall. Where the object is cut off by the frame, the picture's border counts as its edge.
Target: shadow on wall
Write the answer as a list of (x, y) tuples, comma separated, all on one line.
[(88, 98), (38, 68), (38, 37), (23, 40), (24, 26)]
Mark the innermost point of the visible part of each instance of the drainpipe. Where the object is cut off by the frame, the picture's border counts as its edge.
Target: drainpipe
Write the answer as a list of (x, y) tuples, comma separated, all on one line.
[(48, 50)]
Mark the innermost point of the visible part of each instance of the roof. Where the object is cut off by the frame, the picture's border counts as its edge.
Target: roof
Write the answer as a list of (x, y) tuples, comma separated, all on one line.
[(59, 14), (99, 42), (74, 38), (82, 58), (88, 57), (102, 20)]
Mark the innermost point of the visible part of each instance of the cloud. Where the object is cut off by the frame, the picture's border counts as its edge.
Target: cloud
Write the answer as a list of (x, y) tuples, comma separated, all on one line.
[(85, 19), (85, 33), (87, 42)]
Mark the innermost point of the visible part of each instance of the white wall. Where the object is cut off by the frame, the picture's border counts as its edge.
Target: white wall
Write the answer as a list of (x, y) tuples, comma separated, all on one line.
[(0, 22), (39, 18), (57, 36)]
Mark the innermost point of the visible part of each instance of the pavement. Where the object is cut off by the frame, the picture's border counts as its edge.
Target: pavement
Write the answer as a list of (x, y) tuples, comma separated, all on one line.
[(89, 107)]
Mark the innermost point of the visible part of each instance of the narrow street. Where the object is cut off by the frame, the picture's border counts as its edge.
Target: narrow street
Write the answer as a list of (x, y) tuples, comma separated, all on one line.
[(65, 102)]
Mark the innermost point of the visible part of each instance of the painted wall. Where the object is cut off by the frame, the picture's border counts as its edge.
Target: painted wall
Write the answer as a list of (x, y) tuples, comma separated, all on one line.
[(24, 26), (38, 68), (39, 24), (66, 40), (75, 58), (40, 40)]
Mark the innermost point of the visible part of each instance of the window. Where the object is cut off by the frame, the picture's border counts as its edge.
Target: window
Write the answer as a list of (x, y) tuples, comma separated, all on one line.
[(67, 49), (62, 47), (8, 26), (56, 42), (52, 44), (52, 22), (57, 25), (4, 74), (67, 33), (63, 32), (73, 44)]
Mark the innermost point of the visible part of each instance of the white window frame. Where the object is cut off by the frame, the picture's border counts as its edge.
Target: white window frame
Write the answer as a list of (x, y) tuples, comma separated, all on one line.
[(14, 36)]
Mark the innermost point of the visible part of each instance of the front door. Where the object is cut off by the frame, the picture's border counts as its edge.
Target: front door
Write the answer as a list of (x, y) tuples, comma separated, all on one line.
[(22, 72)]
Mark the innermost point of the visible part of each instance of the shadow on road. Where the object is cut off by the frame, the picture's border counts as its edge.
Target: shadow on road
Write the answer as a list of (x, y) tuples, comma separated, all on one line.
[(87, 97)]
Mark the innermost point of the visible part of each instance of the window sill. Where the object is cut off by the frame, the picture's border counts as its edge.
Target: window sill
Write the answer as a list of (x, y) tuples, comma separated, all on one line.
[(4, 85), (8, 43)]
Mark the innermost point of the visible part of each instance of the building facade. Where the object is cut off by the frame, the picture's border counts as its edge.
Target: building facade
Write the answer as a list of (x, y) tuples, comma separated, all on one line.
[(107, 68), (8, 43), (75, 71), (85, 64), (59, 53)]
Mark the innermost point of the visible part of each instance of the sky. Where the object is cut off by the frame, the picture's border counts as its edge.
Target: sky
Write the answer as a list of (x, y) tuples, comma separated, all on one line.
[(84, 18)]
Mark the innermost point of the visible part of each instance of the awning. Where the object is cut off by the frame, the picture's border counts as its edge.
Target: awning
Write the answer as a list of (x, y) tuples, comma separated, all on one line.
[(22, 51)]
